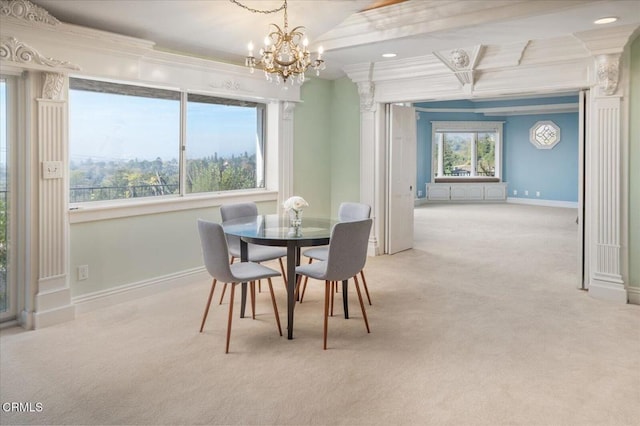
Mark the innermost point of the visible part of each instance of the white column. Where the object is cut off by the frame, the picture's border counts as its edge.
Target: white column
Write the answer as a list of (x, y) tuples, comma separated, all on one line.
[(370, 180), (53, 297), (286, 151), (605, 189)]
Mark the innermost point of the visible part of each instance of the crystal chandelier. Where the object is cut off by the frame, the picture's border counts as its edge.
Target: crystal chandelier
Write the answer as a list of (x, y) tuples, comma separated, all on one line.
[(285, 55)]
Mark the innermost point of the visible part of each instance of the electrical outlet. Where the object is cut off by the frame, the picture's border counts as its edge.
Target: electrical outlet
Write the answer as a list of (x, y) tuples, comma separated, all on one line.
[(526, 192), (515, 192), (419, 193), (537, 193), (83, 272)]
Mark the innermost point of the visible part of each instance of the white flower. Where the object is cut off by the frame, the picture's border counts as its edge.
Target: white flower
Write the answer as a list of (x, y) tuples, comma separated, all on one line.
[(295, 203)]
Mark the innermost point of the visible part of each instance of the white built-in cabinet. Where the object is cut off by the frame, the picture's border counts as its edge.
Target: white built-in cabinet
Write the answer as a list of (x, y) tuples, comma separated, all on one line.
[(467, 191)]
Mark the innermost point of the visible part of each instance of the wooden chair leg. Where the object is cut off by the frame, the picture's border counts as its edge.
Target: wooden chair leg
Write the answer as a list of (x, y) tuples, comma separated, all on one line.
[(364, 284), (297, 289), (333, 283), (253, 299), (326, 312), (275, 307), (304, 286), (224, 288), (206, 310), (284, 274), (364, 313), (233, 286)]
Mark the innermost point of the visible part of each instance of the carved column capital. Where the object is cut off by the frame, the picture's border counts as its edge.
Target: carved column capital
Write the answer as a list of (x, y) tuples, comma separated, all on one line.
[(52, 85), (608, 73), (366, 90), (287, 110)]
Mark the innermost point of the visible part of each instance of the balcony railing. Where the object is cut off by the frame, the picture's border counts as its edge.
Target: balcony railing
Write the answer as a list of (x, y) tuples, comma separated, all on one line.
[(97, 193)]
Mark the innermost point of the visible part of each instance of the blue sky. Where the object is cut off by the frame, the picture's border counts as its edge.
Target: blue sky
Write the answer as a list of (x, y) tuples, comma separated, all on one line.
[(109, 127)]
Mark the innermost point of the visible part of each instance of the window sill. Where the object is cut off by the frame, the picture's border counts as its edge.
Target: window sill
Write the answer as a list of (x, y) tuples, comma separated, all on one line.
[(96, 211), (479, 179)]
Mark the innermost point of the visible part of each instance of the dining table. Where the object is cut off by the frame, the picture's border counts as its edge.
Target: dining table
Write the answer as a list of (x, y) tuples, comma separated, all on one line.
[(277, 230)]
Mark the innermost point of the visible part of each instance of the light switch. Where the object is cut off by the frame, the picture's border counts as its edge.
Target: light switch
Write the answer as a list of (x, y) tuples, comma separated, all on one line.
[(51, 169)]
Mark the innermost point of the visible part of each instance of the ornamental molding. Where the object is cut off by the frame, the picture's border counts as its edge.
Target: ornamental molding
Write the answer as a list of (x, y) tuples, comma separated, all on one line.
[(462, 62), (608, 73), (287, 110), (52, 86), (227, 85), (366, 90), (26, 11), (16, 51)]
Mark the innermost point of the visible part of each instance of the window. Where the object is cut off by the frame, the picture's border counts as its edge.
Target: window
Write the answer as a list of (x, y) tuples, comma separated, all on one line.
[(466, 150), (4, 199), (125, 142), (224, 144), (544, 134), (10, 190)]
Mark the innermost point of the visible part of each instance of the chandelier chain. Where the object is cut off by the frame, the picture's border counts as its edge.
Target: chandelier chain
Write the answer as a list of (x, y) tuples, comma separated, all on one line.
[(284, 6)]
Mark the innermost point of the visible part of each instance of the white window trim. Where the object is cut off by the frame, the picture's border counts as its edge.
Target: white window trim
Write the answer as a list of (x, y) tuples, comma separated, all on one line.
[(470, 126), (103, 210)]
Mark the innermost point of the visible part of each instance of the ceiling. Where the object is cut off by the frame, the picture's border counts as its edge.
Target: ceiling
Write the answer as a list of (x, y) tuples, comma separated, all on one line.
[(350, 31)]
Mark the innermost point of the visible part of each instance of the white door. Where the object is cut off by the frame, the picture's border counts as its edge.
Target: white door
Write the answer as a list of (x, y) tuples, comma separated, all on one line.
[(402, 177)]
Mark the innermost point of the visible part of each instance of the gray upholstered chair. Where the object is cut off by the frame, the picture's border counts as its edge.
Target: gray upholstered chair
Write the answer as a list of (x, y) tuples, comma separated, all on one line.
[(346, 256), (346, 212), (216, 259), (257, 253)]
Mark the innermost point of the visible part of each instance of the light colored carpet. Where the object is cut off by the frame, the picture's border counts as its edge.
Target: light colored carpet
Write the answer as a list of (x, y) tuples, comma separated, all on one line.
[(480, 324)]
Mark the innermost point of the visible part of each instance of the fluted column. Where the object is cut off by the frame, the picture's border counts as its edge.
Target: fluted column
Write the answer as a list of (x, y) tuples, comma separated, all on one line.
[(53, 298), (286, 151), (606, 192), (370, 157)]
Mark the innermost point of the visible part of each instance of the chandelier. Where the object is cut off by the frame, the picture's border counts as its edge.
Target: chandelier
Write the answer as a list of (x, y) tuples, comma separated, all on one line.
[(285, 55)]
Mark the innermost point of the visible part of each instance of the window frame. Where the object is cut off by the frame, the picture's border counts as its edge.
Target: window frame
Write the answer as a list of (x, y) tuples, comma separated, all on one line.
[(126, 207), (437, 151)]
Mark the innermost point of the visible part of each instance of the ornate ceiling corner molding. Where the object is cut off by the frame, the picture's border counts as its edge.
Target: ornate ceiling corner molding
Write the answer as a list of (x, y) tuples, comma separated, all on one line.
[(52, 86), (16, 51), (608, 73), (26, 11), (366, 90), (462, 62)]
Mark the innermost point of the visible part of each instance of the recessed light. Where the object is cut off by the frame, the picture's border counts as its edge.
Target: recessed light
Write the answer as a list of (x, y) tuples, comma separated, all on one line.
[(389, 55), (606, 20)]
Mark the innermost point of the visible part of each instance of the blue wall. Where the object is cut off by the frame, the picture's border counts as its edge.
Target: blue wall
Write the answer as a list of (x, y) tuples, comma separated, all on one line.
[(552, 172)]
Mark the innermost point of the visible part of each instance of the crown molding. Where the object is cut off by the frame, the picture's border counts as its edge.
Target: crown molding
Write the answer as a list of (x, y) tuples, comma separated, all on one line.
[(606, 40)]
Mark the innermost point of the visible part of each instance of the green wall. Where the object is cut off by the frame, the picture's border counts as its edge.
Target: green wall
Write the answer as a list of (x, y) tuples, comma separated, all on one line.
[(135, 249), (345, 143), (634, 167), (327, 145), (312, 147)]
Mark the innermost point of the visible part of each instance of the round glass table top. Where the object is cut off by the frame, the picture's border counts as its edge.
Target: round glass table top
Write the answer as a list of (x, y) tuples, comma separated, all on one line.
[(274, 229)]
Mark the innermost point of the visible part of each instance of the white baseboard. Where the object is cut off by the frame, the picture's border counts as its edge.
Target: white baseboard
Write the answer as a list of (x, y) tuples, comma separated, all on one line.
[(546, 203), (54, 316), (123, 293), (609, 291), (634, 295)]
